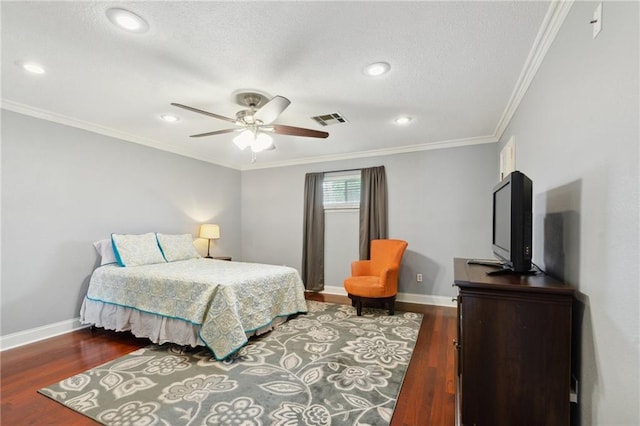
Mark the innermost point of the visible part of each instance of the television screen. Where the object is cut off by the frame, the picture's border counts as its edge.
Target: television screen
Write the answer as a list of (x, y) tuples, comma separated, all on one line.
[(502, 217)]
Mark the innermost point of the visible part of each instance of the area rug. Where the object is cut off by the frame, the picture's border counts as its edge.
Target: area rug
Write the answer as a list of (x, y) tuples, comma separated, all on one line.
[(326, 367)]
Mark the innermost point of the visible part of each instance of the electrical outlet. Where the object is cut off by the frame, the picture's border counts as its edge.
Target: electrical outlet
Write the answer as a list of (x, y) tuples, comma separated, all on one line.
[(419, 278)]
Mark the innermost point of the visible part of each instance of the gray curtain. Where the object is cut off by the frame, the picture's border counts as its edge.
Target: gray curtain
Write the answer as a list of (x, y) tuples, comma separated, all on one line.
[(313, 235), (373, 208)]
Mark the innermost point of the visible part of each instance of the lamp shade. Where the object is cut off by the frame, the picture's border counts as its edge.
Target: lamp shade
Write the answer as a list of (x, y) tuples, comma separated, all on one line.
[(258, 141), (209, 231), (244, 139), (262, 142)]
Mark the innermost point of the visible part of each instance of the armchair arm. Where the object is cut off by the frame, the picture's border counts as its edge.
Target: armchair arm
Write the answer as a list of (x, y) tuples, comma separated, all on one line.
[(389, 278), (360, 267)]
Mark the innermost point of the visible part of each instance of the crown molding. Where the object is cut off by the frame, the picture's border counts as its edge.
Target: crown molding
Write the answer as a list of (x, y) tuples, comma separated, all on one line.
[(105, 131), (553, 20), (453, 143)]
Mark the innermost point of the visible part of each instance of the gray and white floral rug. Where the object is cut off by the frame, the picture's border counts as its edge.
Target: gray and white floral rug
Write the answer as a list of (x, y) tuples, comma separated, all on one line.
[(328, 367)]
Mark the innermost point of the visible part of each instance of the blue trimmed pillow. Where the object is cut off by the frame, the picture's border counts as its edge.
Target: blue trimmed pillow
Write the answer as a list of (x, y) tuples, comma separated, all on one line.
[(177, 247), (134, 250)]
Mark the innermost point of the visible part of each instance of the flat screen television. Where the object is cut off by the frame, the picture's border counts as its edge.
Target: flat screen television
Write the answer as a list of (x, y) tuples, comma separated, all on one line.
[(512, 217)]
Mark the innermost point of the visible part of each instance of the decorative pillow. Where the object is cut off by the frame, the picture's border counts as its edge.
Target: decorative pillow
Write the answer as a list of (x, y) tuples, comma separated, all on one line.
[(105, 250), (132, 250), (177, 247)]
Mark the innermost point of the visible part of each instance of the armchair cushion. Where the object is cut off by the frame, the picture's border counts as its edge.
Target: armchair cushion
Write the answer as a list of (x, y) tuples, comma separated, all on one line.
[(383, 285)]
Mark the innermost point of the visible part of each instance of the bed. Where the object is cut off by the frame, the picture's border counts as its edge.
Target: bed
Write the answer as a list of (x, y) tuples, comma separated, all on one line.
[(196, 301)]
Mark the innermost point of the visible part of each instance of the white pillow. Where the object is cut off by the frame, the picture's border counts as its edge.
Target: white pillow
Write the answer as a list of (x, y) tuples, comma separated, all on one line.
[(177, 247), (105, 250), (133, 250)]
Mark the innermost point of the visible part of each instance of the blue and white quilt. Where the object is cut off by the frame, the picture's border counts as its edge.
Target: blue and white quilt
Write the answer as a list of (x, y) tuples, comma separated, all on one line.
[(227, 299)]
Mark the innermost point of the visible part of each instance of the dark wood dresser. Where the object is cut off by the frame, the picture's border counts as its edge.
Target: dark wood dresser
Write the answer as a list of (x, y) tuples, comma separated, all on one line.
[(513, 347)]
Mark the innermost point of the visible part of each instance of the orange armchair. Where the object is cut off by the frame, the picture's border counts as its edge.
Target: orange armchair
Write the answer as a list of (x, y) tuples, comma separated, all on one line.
[(376, 279)]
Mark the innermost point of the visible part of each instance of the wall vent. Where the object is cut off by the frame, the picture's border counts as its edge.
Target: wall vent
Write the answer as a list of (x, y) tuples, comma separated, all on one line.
[(328, 119)]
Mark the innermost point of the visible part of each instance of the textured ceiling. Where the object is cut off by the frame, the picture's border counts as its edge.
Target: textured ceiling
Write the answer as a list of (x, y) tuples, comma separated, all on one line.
[(454, 69)]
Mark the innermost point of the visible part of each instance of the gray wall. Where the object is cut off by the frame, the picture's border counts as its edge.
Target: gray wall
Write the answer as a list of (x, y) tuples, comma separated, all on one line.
[(577, 138), (63, 188), (439, 201)]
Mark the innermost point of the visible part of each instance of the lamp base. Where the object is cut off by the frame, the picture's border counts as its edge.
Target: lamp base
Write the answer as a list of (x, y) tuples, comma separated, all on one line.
[(208, 256)]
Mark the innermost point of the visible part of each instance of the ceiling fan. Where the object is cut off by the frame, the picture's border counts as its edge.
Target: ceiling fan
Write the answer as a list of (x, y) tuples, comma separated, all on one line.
[(256, 121)]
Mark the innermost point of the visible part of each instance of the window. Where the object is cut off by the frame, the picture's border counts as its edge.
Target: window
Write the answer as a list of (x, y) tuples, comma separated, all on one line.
[(341, 190)]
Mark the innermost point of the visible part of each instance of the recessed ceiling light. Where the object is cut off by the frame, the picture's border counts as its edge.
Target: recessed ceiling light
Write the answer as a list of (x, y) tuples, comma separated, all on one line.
[(377, 68), (32, 67), (169, 118), (403, 120), (127, 20)]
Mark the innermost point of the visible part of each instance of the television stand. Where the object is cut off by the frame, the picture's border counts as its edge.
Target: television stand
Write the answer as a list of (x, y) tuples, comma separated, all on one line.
[(486, 262), (506, 271), (499, 264)]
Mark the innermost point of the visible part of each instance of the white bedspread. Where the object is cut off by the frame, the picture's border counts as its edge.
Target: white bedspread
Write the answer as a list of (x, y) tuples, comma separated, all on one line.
[(225, 299)]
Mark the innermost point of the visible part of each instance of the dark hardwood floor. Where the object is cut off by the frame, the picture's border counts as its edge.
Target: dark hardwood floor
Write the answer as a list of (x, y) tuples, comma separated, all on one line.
[(426, 398)]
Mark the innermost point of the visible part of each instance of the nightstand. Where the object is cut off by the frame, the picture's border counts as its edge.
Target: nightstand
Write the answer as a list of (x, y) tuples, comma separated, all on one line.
[(222, 257)]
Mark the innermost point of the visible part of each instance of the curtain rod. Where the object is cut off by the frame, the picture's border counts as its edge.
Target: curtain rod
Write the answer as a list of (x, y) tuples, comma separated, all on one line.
[(350, 170)]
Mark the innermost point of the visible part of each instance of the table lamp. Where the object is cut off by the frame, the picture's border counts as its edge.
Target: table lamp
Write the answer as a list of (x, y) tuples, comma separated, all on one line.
[(210, 232)]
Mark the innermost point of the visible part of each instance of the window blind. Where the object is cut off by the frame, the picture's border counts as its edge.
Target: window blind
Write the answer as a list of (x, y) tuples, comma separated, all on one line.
[(341, 191)]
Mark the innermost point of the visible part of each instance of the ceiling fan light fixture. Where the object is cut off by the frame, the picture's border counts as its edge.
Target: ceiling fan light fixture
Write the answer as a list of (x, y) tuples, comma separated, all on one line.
[(254, 125), (258, 141), (377, 69), (127, 20)]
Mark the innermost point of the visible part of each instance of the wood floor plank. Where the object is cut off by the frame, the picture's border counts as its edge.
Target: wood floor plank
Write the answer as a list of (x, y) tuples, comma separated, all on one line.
[(451, 358), (426, 397)]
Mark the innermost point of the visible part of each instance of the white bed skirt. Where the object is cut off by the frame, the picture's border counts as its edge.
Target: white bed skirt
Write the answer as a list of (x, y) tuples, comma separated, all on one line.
[(156, 328)]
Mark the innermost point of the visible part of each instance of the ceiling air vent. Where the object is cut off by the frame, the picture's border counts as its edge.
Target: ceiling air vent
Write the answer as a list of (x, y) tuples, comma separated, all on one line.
[(328, 119)]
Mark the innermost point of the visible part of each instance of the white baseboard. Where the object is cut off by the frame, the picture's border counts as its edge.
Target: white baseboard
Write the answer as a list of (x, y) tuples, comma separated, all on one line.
[(422, 299), (39, 333)]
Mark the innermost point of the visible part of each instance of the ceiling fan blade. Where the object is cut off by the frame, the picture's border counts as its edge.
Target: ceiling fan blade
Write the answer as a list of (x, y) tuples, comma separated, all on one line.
[(199, 111), (281, 129), (216, 132), (272, 109)]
